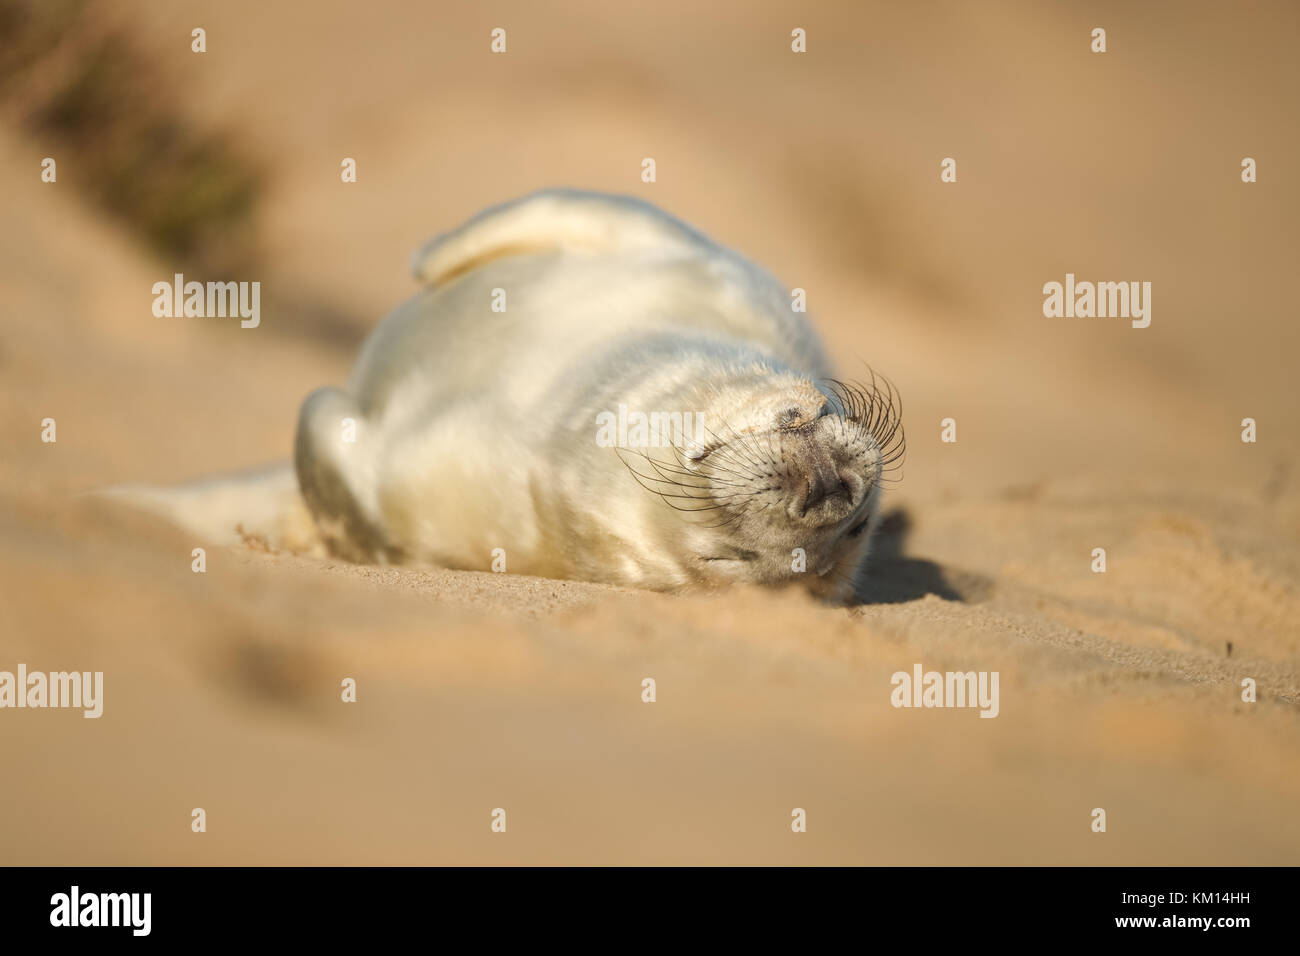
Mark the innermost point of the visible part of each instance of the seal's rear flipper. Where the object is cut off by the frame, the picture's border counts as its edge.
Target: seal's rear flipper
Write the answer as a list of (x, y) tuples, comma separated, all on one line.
[(335, 460), (321, 504), (553, 219), (261, 506)]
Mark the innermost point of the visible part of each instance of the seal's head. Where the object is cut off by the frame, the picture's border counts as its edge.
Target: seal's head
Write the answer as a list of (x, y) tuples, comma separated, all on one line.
[(784, 482)]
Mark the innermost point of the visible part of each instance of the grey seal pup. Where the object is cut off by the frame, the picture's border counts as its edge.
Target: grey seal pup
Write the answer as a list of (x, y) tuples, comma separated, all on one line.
[(588, 388)]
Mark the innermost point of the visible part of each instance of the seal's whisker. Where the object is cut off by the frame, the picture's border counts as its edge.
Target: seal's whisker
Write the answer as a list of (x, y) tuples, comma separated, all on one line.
[(694, 471), (666, 497), (719, 452), (717, 502), (746, 445), (659, 468), (709, 493), (732, 446), (710, 480), (878, 408), (643, 478)]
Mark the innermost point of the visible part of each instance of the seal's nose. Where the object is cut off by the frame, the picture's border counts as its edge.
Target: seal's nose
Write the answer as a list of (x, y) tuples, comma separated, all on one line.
[(818, 489), (820, 482)]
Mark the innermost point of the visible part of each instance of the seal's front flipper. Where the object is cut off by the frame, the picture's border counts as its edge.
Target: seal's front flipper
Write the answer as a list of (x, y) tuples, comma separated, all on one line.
[(554, 219), (334, 457)]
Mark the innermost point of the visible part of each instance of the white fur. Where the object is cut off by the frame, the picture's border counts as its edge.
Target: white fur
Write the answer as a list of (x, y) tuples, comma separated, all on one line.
[(478, 427)]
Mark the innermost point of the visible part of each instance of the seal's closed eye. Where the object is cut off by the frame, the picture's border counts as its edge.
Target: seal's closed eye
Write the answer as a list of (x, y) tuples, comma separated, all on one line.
[(737, 554)]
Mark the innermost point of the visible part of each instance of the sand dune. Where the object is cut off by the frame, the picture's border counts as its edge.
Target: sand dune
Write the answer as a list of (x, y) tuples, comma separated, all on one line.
[(477, 691)]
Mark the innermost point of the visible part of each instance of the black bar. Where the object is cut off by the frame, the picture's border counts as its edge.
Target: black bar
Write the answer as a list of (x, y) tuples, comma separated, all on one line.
[(301, 905)]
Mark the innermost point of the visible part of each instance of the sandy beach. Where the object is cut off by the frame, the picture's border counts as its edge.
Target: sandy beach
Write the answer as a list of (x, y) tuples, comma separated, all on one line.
[(1119, 690)]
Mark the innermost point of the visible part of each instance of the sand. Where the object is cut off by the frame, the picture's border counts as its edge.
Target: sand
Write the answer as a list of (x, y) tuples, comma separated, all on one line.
[(480, 691)]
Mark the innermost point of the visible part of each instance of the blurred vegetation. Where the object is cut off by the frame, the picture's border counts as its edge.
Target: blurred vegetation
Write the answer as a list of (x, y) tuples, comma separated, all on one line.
[(78, 85)]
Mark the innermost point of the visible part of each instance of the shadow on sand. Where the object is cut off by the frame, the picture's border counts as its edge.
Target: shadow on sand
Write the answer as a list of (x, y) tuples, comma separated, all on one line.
[(890, 577)]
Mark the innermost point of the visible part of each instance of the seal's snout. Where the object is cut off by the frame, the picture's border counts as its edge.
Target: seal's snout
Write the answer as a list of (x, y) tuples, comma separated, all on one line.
[(819, 488)]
